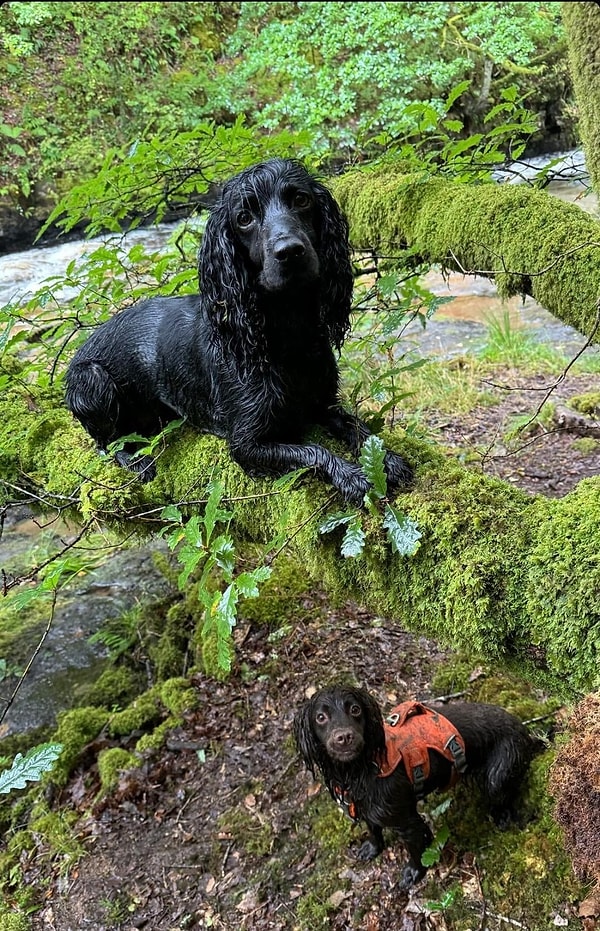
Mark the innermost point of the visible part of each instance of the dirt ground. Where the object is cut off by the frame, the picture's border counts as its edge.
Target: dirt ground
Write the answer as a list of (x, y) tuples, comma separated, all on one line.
[(161, 853)]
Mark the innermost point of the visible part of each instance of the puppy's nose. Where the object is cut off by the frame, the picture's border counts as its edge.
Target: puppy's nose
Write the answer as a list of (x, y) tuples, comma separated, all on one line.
[(343, 738), (286, 250)]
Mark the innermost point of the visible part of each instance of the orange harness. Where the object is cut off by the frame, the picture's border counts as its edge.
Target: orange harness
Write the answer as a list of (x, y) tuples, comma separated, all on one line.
[(411, 730)]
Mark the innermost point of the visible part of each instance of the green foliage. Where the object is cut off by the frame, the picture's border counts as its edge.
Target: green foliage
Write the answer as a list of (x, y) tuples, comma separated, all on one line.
[(347, 71), (402, 532), (29, 768), (343, 73), (196, 544)]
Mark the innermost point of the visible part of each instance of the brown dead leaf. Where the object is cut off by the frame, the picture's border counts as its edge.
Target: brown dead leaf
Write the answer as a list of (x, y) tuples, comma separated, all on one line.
[(590, 907)]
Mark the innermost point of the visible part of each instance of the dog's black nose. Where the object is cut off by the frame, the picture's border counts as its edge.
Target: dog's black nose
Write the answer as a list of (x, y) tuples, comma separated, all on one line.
[(343, 738), (288, 249)]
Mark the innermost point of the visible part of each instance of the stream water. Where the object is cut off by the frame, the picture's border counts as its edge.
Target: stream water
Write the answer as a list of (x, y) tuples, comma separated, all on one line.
[(68, 661)]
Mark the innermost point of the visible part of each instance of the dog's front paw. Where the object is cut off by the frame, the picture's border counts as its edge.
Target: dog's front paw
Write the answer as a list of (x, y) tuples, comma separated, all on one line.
[(143, 466), (353, 485), (368, 850), (411, 874), (398, 471)]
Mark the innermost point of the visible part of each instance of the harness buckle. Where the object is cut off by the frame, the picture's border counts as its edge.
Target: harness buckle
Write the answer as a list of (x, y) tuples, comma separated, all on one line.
[(393, 719), (457, 752)]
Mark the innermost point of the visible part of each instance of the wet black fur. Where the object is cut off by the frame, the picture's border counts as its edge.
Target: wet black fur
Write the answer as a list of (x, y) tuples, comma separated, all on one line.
[(339, 733), (252, 357)]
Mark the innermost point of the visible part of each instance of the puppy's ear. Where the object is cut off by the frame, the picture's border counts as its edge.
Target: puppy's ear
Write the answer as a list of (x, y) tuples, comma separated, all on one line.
[(374, 734), (306, 742), (227, 291), (337, 274)]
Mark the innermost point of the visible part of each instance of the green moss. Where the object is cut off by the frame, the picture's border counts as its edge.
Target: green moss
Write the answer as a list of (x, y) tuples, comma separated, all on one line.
[(144, 711), (170, 653), (12, 921), (526, 238), (75, 729), (588, 403), (562, 587), (280, 597), (178, 696), (250, 831), (333, 831), (115, 687), (57, 829), (111, 763), (586, 445)]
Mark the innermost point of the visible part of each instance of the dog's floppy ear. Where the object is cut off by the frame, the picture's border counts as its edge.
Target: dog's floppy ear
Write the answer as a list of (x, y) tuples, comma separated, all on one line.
[(338, 278), (374, 734), (307, 743), (230, 296)]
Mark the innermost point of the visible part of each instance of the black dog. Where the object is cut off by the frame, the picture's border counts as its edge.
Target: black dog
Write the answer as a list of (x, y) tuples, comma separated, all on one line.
[(251, 358), (341, 732)]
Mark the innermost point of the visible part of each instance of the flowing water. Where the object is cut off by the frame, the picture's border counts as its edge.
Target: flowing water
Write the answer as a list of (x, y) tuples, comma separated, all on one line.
[(68, 661)]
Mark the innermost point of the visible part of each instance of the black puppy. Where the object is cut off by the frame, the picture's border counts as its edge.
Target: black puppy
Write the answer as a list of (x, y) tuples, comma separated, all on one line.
[(252, 357), (377, 770)]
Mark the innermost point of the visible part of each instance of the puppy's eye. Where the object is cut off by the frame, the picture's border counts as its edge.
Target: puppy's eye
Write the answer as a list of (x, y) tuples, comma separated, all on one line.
[(321, 717), (244, 219), (301, 199), (355, 711)]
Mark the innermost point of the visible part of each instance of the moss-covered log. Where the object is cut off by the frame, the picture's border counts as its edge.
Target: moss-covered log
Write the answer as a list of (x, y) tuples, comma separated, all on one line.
[(513, 575), (582, 29), (529, 242)]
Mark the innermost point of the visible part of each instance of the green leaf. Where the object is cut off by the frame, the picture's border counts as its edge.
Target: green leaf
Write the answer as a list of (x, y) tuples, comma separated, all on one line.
[(29, 768), (336, 520), (431, 855), (287, 481), (455, 93), (402, 532), (171, 513), (353, 543), (371, 459), (212, 512), (247, 582)]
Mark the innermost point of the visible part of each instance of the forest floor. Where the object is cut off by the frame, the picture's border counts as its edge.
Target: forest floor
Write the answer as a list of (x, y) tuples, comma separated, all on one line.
[(210, 831)]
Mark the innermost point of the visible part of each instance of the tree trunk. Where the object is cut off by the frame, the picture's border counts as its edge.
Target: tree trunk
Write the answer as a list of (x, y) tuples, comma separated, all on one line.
[(582, 29), (529, 242), (511, 575)]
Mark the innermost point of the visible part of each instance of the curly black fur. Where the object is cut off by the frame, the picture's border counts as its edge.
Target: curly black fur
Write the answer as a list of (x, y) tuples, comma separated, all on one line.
[(252, 357), (340, 734)]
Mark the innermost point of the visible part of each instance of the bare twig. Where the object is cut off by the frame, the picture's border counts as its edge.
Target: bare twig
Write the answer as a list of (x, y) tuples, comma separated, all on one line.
[(32, 658)]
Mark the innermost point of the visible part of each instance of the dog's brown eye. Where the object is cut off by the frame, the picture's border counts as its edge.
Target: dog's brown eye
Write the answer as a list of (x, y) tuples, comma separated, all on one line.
[(301, 199), (321, 717), (355, 711), (244, 218)]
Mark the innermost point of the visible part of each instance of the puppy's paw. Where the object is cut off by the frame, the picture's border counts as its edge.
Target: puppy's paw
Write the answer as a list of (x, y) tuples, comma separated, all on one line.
[(411, 874), (399, 473), (143, 466), (353, 485), (368, 850)]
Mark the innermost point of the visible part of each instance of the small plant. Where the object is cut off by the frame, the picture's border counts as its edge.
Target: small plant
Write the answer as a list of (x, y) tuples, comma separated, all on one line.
[(197, 543), (510, 345), (402, 532), (29, 768)]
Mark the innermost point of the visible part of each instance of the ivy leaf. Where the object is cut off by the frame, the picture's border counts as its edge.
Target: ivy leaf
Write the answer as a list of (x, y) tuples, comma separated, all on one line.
[(402, 532), (29, 768), (354, 539), (371, 459)]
